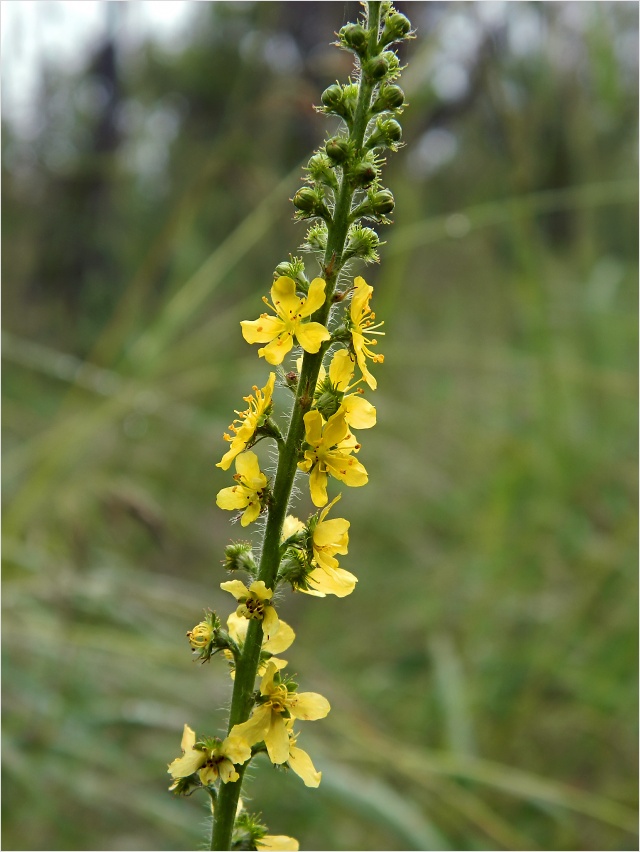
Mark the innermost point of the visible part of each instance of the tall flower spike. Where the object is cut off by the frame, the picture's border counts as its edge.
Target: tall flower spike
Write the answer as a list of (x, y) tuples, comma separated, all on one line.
[(278, 332), (362, 324), (249, 421), (329, 452)]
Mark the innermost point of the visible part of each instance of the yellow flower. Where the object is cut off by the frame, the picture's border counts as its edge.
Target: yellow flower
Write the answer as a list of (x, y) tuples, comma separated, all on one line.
[(268, 721), (329, 538), (255, 602), (290, 527), (210, 762), (249, 421), (300, 761), (277, 843), (329, 452), (249, 493), (361, 325), (278, 332), (358, 413), (200, 636), (237, 628)]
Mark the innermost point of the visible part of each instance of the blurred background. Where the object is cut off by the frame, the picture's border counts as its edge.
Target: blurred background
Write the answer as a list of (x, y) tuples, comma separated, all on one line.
[(483, 676)]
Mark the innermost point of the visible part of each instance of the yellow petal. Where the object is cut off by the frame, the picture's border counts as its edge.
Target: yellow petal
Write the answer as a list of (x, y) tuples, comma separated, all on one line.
[(283, 296), (260, 590), (275, 351), (209, 774), (315, 298), (236, 749), (332, 532), (270, 622), (336, 429), (248, 466), (186, 765), (227, 771), (266, 684), (359, 413), (308, 706), (318, 486), (303, 766), (255, 728), (262, 330), (335, 581), (281, 641), (313, 427), (277, 739), (237, 627), (341, 369), (188, 739), (348, 469), (233, 497), (236, 588), (229, 456), (291, 526), (360, 298), (277, 843), (311, 336), (250, 513)]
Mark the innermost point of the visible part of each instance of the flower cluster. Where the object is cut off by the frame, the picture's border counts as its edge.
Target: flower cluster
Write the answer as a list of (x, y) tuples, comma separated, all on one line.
[(326, 322)]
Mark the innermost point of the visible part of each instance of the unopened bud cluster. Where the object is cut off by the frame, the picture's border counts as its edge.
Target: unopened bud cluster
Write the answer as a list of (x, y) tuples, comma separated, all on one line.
[(339, 160)]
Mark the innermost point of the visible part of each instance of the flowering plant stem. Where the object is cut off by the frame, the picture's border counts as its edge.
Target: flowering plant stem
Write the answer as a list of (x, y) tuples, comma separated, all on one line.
[(343, 187), (247, 665)]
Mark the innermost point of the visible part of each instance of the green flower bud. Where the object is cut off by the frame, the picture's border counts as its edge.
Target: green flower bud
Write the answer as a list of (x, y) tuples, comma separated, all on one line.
[(340, 100), (377, 67), (382, 202), (354, 37), (310, 202), (316, 238), (363, 243), (396, 27), (387, 134), (320, 170), (363, 174), (327, 399), (238, 556), (337, 149), (389, 98), (305, 199), (292, 268)]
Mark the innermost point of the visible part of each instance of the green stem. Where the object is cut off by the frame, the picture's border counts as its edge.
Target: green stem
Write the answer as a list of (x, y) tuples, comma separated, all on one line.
[(243, 689)]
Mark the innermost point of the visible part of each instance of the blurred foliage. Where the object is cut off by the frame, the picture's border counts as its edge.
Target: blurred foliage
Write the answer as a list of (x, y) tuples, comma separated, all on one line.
[(482, 676)]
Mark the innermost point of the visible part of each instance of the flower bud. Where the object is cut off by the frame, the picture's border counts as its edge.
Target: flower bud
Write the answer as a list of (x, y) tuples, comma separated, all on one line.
[(363, 243), (354, 37), (387, 134), (310, 202), (316, 238), (292, 268), (239, 557), (363, 174), (396, 27), (382, 202), (376, 68), (338, 100), (200, 636), (337, 149), (320, 170), (389, 98), (305, 199)]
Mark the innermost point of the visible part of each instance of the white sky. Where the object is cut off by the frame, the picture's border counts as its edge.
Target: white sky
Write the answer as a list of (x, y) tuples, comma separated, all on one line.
[(64, 32)]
